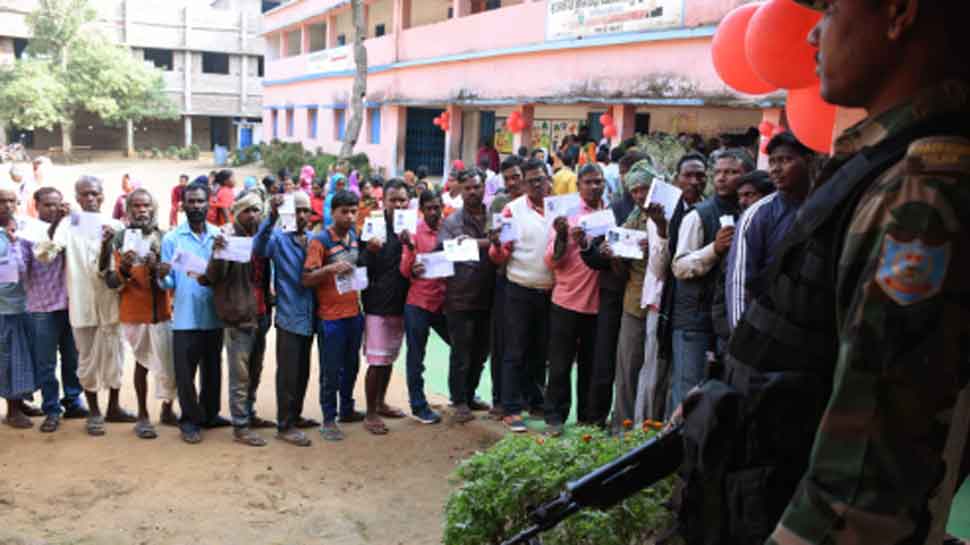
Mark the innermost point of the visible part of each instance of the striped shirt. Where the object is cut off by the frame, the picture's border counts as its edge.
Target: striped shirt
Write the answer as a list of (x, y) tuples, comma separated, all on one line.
[(46, 283)]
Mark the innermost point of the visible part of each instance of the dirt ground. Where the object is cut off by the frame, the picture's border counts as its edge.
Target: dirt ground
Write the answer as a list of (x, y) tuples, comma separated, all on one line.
[(68, 488)]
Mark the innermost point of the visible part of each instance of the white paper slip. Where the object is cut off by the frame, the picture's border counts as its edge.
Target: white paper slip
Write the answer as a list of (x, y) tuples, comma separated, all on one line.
[(238, 249), (88, 224), (457, 252), (288, 206), (9, 272), (508, 228), (374, 227), (405, 220), (625, 243), (727, 221), (288, 222), (597, 223), (188, 262), (664, 194), (436, 265), (32, 229), (135, 241), (563, 205), (355, 281)]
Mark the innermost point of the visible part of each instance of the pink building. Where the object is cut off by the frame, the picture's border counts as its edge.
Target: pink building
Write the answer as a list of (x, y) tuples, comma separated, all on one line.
[(645, 61)]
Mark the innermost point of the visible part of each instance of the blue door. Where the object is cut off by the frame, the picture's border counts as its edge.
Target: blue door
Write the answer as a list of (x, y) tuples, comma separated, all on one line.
[(245, 137), (424, 142)]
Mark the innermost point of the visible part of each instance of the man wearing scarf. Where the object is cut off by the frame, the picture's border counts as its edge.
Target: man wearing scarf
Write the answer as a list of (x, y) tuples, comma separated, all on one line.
[(144, 308), (240, 297)]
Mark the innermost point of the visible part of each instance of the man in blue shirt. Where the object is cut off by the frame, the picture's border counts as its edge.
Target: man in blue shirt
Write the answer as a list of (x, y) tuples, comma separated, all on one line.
[(197, 331), (295, 315)]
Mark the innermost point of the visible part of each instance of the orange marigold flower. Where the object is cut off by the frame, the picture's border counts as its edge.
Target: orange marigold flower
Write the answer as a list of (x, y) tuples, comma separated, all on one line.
[(587, 438), (628, 423), (540, 441)]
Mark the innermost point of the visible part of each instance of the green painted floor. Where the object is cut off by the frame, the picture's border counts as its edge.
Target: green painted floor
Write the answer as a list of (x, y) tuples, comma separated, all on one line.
[(436, 380)]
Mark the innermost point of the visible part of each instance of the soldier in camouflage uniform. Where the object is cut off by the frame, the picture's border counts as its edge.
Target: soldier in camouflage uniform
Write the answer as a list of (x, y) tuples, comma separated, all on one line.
[(887, 455)]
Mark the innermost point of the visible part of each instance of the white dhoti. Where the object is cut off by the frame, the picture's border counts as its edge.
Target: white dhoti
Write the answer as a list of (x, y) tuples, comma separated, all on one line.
[(152, 346), (101, 357)]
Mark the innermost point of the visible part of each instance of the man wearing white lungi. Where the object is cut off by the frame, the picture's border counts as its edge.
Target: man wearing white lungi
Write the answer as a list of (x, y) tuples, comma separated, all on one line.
[(130, 263), (93, 306)]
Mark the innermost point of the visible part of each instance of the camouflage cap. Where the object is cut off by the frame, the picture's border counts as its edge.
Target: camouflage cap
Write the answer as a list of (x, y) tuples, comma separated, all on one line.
[(818, 5)]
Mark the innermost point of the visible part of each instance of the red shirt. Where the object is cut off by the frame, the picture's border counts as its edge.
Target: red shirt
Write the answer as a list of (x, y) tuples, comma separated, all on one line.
[(577, 286), (316, 205), (428, 294), (221, 200)]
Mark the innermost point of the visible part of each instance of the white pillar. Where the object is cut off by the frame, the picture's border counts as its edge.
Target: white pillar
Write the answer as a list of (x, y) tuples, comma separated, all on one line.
[(130, 138), (188, 130)]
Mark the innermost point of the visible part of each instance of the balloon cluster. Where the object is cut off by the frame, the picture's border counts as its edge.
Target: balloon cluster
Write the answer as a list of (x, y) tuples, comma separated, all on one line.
[(515, 122), (443, 121), (609, 125), (762, 47)]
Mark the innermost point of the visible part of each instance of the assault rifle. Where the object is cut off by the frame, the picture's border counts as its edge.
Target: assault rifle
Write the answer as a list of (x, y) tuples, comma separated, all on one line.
[(610, 484)]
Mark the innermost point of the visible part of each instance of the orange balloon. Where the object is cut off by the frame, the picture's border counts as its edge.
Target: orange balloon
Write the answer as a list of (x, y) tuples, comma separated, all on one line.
[(727, 51), (777, 47), (810, 118), (609, 131)]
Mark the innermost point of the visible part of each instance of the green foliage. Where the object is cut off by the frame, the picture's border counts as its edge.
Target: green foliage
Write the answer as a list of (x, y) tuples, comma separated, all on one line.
[(293, 156), (245, 156), (665, 150), (498, 486), (71, 67), (155, 152), (171, 152), (189, 153)]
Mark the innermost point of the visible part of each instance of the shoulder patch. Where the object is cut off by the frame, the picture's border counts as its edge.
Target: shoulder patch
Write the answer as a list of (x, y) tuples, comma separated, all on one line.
[(950, 154), (911, 272)]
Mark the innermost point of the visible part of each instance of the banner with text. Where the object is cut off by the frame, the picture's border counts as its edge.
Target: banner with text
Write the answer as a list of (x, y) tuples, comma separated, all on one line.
[(335, 59), (584, 18)]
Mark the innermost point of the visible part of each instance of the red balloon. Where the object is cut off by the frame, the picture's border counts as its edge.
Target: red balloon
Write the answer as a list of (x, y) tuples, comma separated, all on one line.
[(514, 124), (609, 131), (727, 50), (811, 119), (446, 115), (437, 122), (777, 131), (765, 128), (606, 120), (777, 46)]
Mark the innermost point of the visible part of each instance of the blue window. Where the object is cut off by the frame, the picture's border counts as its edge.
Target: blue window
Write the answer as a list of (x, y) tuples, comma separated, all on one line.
[(311, 122), (274, 115), (289, 122), (339, 116), (375, 125)]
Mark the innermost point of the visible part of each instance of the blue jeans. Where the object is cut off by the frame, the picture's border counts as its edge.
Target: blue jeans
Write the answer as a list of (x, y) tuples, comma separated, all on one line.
[(52, 333), (689, 355), (418, 323), (338, 342)]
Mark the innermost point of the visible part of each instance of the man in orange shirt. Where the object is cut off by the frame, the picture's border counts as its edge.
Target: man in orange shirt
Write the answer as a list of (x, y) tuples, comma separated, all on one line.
[(221, 203), (145, 309), (331, 258)]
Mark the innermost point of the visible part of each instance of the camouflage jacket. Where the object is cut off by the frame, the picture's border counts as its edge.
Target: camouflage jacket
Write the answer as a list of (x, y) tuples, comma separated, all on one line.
[(887, 454)]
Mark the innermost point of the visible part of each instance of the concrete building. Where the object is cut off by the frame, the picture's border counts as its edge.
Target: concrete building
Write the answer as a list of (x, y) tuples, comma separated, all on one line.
[(211, 52), (560, 63)]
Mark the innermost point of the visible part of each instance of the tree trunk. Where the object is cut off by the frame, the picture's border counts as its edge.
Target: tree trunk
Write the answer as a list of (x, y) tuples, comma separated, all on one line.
[(67, 130), (360, 82)]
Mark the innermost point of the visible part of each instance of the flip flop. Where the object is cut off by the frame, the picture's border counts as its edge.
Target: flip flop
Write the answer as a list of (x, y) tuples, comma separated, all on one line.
[(145, 430), (375, 427), (391, 412), (95, 426), (20, 422), (121, 416)]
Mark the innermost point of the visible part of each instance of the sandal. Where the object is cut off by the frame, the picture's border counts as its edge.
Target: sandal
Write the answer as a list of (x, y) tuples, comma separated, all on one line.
[(248, 437), (19, 421), (390, 412), (258, 423), (95, 426), (121, 416), (331, 432), (51, 423), (145, 430), (376, 427), (305, 423)]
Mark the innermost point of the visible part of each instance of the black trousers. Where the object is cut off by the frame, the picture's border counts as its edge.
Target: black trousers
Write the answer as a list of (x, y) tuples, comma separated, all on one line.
[(526, 348), (292, 376), (498, 338), (198, 351), (572, 337), (604, 360), (468, 331)]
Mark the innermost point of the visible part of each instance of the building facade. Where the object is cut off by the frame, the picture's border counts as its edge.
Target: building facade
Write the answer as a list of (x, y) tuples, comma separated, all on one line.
[(560, 63), (211, 55)]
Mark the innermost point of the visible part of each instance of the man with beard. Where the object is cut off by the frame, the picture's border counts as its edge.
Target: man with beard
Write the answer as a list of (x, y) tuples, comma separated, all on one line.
[(47, 304), (239, 291), (197, 330), (93, 306), (295, 310), (144, 308), (468, 298)]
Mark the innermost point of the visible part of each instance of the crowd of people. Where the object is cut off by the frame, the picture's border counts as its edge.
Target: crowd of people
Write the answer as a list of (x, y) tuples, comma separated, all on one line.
[(640, 333)]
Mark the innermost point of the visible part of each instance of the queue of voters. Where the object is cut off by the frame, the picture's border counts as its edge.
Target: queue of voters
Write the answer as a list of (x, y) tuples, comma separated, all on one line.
[(569, 277)]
